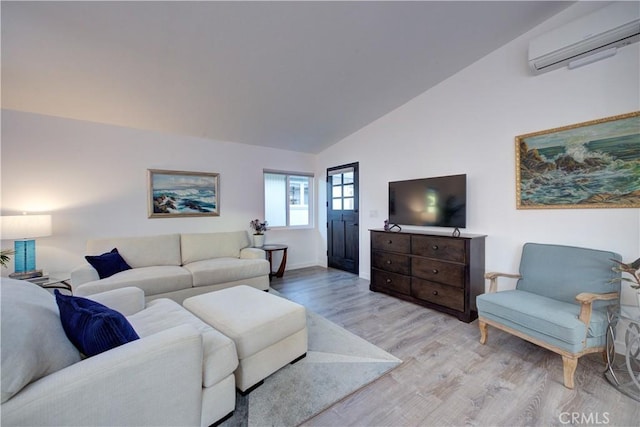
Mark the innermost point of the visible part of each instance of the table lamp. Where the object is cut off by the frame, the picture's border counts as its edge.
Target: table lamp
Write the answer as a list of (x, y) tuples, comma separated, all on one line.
[(23, 229)]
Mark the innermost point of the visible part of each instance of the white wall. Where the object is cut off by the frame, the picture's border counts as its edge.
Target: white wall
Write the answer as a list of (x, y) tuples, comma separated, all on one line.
[(468, 123), (92, 178)]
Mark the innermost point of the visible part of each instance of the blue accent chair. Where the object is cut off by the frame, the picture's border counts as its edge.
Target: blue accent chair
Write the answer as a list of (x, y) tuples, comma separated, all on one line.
[(560, 301)]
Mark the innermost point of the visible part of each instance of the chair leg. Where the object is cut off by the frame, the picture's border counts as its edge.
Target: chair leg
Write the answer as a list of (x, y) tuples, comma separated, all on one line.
[(483, 331), (569, 365)]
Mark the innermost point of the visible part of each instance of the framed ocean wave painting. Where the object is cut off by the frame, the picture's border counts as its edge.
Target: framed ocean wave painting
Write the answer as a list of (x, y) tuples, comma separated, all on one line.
[(175, 194), (594, 164)]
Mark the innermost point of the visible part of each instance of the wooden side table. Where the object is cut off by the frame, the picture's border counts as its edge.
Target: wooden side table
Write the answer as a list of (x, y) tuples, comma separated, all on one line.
[(270, 249), (52, 282)]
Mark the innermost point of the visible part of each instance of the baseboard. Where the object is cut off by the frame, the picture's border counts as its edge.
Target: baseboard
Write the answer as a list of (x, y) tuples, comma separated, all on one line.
[(301, 265)]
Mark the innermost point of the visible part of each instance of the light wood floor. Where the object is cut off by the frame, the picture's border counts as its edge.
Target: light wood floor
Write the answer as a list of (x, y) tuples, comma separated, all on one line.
[(447, 377)]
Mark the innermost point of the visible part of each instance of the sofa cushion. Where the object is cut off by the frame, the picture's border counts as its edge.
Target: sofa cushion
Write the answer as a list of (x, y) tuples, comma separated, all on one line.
[(539, 316), (201, 246), (108, 264), (556, 271), (143, 251), (34, 344), (220, 358), (92, 327), (222, 270), (152, 280)]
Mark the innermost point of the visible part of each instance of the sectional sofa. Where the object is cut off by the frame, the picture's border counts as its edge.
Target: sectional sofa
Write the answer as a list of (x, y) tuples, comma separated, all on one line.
[(176, 266), (179, 372)]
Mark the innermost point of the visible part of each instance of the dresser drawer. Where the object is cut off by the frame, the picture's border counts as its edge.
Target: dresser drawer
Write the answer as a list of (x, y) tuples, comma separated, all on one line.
[(392, 262), (391, 281), (438, 294), (393, 242), (438, 271), (439, 247)]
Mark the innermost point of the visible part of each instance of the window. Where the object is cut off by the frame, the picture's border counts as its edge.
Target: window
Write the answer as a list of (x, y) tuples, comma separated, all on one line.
[(342, 189), (288, 199)]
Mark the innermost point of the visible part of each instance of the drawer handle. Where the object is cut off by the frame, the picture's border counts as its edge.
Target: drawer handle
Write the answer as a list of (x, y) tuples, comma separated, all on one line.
[(434, 247), (388, 281), (435, 292), (390, 242), (389, 262), (434, 271)]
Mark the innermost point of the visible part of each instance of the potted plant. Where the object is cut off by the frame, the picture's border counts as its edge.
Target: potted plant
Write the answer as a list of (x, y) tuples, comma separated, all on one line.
[(5, 256), (258, 232), (633, 269)]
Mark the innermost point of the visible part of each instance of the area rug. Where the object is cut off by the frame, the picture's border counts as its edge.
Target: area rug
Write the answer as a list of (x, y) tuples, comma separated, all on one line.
[(337, 364)]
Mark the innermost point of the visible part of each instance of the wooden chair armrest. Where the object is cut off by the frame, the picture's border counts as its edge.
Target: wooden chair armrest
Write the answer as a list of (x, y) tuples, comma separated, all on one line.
[(493, 276), (586, 300), (589, 297)]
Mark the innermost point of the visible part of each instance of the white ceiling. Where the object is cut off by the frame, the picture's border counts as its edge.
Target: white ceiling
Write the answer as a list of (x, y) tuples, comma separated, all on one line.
[(293, 75)]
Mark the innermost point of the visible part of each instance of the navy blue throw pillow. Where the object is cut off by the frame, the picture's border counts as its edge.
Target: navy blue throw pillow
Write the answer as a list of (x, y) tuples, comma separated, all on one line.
[(91, 326), (108, 263)]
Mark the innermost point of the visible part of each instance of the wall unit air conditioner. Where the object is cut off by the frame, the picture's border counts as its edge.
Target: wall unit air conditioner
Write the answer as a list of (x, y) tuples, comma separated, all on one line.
[(599, 34)]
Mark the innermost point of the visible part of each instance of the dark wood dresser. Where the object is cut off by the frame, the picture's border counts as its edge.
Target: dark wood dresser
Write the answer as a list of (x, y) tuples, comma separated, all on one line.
[(434, 270)]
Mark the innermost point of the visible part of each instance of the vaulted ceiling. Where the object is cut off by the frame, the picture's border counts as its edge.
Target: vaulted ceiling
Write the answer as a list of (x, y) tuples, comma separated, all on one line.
[(292, 75)]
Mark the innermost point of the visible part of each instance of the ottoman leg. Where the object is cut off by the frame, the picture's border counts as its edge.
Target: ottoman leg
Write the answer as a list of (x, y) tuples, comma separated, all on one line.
[(253, 387), (297, 359), (250, 389)]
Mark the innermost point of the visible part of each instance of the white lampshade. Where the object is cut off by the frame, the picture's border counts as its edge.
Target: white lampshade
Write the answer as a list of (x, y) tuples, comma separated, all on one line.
[(24, 226)]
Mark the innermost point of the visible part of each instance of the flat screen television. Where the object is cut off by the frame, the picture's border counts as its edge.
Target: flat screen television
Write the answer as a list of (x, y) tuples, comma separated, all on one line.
[(438, 201)]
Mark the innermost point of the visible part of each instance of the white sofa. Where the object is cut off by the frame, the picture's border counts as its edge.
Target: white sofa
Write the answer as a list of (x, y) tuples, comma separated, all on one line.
[(177, 266), (180, 371)]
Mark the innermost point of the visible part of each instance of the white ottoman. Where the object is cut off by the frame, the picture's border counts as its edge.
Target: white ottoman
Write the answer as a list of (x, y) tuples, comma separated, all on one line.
[(269, 331)]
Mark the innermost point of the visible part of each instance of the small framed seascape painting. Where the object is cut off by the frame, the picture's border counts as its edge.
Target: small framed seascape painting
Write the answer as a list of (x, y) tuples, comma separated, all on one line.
[(176, 194), (594, 164)]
